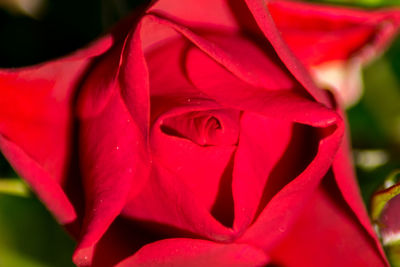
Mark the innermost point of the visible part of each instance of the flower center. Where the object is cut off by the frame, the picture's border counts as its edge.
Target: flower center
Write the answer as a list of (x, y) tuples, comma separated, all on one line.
[(205, 128)]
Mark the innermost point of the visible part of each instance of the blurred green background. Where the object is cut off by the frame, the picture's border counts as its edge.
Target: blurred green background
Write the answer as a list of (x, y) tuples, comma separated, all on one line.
[(33, 31)]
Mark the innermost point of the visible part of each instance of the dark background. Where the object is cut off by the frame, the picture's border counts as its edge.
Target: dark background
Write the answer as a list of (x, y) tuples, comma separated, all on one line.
[(29, 236)]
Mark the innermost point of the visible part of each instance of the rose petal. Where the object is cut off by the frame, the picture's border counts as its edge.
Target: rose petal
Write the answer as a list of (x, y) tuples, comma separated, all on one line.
[(275, 219), (97, 87), (265, 144), (134, 80), (36, 114), (327, 221), (347, 183), (114, 164), (344, 77), (195, 252), (243, 57), (265, 21), (167, 199), (114, 143), (124, 238), (49, 191), (222, 13), (36, 123), (318, 33), (262, 143)]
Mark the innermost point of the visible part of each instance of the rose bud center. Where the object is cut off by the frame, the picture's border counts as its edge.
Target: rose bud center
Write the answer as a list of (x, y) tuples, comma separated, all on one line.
[(205, 128)]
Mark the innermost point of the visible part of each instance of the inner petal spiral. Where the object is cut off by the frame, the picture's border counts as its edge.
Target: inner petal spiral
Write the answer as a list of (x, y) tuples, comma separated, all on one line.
[(205, 128)]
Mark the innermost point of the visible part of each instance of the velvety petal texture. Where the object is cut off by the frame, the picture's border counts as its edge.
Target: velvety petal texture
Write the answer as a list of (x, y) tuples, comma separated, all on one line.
[(197, 138)]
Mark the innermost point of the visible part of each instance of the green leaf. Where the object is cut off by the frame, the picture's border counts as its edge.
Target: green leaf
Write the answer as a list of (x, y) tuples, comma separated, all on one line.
[(30, 236)]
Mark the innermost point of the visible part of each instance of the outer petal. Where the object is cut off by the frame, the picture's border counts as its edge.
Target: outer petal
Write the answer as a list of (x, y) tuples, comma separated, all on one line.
[(36, 123), (115, 159), (114, 163), (347, 183), (38, 133), (48, 190), (267, 25), (329, 233), (37, 129), (318, 33), (344, 77), (334, 42), (195, 252)]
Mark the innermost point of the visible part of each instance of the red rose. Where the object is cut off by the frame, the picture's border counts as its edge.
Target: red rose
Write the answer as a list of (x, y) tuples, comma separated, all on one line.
[(334, 42), (189, 136)]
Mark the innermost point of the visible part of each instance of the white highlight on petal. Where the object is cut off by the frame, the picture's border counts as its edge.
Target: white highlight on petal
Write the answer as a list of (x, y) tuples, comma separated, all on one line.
[(343, 77)]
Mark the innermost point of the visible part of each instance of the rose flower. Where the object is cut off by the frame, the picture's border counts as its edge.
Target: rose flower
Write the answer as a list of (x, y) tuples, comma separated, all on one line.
[(189, 136)]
